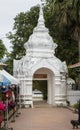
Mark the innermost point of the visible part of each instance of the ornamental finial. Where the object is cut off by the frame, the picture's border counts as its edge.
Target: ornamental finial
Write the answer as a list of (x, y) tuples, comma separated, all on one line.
[(41, 18), (43, 3)]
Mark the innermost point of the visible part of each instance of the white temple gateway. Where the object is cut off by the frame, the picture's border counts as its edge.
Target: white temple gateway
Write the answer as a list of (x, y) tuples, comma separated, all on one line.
[(40, 63)]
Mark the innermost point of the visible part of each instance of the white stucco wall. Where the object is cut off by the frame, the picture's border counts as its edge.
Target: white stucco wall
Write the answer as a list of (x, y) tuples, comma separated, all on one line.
[(73, 96)]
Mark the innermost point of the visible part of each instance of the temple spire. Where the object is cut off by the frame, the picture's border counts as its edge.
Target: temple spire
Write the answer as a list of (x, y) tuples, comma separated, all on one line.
[(41, 18), (40, 41)]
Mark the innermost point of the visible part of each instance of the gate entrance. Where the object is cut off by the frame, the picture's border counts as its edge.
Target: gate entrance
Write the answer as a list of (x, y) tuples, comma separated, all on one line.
[(43, 83), (40, 63), (40, 90)]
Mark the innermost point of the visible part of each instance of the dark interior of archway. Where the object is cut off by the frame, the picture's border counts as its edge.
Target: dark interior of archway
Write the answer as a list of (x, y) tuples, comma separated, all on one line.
[(41, 85)]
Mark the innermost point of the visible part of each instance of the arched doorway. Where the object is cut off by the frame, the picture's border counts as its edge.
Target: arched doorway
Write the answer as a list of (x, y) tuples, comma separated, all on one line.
[(45, 77)]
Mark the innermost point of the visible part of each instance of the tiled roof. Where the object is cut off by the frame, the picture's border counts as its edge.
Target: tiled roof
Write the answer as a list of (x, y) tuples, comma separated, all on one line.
[(74, 65)]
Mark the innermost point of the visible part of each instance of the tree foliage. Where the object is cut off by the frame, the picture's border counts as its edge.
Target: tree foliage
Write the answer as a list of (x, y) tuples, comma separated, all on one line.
[(65, 29), (3, 49), (23, 28), (69, 18)]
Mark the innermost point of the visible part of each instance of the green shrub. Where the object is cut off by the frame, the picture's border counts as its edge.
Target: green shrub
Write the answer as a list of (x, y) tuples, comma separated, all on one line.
[(75, 105)]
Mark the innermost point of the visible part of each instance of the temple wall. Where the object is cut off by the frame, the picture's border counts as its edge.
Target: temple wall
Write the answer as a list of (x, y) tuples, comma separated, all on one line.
[(73, 96)]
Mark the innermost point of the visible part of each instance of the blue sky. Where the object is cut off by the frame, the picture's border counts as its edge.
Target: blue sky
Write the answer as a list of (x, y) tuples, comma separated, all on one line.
[(8, 10)]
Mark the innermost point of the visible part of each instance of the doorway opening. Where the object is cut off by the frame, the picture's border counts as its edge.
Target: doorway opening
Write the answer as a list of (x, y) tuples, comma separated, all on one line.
[(40, 86), (43, 83)]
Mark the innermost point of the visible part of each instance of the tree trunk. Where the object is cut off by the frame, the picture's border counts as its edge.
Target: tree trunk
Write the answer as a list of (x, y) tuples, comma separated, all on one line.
[(79, 66), (79, 48)]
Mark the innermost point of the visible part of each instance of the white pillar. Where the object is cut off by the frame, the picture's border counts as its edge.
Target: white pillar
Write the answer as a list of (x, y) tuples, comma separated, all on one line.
[(60, 91), (26, 92)]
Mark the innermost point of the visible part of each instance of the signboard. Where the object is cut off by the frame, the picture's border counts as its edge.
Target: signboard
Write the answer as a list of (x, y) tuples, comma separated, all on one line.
[(40, 75)]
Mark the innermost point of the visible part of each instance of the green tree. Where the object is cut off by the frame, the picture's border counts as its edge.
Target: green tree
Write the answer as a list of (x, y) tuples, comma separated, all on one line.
[(22, 29), (65, 28), (3, 50), (61, 33), (9, 63), (75, 22), (67, 17)]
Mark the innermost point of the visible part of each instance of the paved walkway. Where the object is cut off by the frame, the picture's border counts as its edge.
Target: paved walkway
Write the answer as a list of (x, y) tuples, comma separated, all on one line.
[(47, 118)]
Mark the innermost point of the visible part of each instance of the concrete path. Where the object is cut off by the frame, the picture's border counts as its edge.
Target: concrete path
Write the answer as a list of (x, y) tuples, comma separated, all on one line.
[(47, 118)]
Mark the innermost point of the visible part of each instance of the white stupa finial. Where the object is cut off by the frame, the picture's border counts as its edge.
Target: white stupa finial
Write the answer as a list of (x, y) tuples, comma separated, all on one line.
[(43, 2), (41, 18)]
